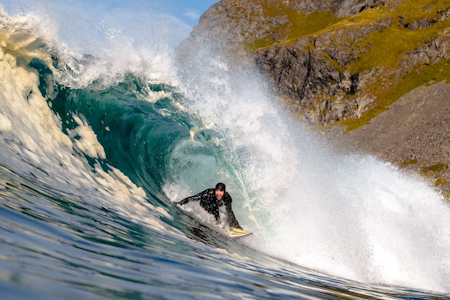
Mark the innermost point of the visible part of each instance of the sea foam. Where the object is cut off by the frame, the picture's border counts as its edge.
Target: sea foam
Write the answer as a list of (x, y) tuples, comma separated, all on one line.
[(351, 215)]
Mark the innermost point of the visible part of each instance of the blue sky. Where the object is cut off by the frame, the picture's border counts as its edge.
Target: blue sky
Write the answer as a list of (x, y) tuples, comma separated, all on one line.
[(190, 11)]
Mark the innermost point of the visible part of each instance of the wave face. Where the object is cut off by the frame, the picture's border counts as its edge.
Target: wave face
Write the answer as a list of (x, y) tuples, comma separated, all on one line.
[(97, 141)]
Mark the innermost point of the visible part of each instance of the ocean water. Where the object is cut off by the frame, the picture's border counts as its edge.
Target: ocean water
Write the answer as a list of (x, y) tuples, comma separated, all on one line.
[(104, 124)]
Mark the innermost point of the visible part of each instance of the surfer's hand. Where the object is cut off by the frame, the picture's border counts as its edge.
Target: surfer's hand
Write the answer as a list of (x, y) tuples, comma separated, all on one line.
[(178, 202)]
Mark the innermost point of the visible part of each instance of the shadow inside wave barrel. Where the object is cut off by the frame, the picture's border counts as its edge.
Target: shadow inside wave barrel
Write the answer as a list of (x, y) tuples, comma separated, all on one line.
[(139, 137)]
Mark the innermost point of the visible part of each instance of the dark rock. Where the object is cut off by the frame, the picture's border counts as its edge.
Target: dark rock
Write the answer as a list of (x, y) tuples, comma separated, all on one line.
[(420, 24), (428, 54), (300, 75)]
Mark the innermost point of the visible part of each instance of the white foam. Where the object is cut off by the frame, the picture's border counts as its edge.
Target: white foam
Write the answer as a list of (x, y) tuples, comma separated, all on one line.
[(87, 141), (351, 216), (5, 124), (153, 97), (32, 140), (135, 38)]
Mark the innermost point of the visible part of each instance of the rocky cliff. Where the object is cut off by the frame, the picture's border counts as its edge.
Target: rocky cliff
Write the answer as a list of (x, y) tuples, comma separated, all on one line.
[(342, 62)]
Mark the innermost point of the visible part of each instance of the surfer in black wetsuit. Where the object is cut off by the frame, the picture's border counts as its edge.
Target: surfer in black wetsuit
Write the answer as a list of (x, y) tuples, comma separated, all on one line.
[(211, 200)]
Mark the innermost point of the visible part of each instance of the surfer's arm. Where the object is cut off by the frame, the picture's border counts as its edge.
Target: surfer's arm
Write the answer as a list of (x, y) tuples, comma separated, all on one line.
[(189, 199), (232, 222)]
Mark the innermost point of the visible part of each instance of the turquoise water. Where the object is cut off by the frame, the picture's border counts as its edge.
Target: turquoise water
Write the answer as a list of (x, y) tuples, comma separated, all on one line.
[(89, 170)]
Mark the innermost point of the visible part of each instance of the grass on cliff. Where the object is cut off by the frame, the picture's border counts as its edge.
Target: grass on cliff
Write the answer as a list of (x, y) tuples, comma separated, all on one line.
[(435, 168), (387, 49), (408, 162), (387, 46), (299, 25), (433, 172), (303, 25), (387, 95)]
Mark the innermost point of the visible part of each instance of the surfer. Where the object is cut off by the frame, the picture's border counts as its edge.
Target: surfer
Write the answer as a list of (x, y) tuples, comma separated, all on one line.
[(211, 200)]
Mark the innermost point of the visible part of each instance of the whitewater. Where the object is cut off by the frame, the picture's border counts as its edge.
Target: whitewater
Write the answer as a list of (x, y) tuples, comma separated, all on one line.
[(106, 120)]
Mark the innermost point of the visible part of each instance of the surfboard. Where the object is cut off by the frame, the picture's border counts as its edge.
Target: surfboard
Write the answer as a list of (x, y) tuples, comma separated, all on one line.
[(236, 232)]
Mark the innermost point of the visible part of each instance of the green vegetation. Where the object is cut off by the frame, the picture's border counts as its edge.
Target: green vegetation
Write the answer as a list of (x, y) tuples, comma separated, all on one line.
[(435, 168), (258, 44), (446, 195), (408, 163), (299, 25), (303, 25), (388, 94), (431, 172), (388, 45), (386, 50), (440, 182), (434, 173)]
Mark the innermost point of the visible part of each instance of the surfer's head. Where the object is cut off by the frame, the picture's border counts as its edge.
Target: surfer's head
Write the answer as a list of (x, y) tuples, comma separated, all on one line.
[(220, 190)]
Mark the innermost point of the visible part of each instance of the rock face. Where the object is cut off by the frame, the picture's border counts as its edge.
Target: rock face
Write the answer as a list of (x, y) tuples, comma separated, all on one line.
[(323, 57), (345, 63), (309, 77), (229, 23)]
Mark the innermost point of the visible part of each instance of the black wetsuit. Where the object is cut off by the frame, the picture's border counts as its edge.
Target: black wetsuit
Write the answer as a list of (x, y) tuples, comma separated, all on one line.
[(209, 202)]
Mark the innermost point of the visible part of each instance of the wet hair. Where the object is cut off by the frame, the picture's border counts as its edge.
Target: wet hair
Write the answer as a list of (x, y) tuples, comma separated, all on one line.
[(220, 186)]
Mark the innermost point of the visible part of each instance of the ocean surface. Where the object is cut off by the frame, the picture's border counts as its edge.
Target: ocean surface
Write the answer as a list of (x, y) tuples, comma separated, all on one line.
[(98, 138)]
